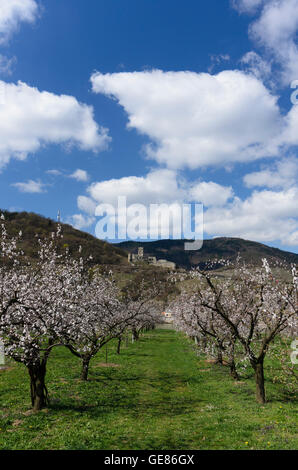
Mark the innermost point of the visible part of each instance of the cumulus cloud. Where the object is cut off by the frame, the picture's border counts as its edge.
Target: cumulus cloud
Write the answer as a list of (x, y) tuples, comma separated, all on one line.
[(289, 134), (194, 120), (80, 175), (31, 186), (283, 174), (14, 12), (30, 119), (158, 186), (80, 221), (210, 193), (264, 216), (275, 30), (162, 188), (87, 205), (292, 239), (256, 65)]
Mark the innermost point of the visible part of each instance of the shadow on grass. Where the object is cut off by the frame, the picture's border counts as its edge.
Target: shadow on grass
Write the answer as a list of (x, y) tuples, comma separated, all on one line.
[(149, 395), (161, 380), (148, 408), (132, 353)]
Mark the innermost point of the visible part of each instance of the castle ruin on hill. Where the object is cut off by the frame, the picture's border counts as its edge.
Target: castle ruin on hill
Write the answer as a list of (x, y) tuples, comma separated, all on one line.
[(152, 260)]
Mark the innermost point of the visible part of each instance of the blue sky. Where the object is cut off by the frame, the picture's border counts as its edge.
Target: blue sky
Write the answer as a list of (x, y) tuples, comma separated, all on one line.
[(158, 101)]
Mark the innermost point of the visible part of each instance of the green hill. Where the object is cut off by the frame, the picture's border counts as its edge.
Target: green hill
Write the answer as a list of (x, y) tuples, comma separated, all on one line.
[(116, 254), (218, 248), (31, 224)]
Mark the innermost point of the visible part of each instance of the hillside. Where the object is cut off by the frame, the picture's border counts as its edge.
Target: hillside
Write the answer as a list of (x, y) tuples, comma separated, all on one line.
[(116, 254), (31, 224), (218, 248)]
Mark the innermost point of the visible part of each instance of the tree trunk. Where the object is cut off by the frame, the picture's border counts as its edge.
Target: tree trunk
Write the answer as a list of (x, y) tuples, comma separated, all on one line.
[(219, 359), (232, 364), (119, 345), (233, 370), (85, 368), (135, 335), (260, 382), (39, 393)]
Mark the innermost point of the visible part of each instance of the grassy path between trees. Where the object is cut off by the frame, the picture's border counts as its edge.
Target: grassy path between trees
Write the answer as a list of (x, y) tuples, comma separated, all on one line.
[(159, 397)]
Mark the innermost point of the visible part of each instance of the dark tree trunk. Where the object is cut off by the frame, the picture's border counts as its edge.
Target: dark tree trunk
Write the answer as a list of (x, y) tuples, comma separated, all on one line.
[(233, 370), (119, 345), (85, 368), (39, 393), (232, 364), (219, 359), (135, 335), (260, 383)]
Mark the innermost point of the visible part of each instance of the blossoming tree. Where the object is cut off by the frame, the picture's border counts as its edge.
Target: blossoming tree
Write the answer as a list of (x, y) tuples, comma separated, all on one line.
[(34, 300), (252, 304)]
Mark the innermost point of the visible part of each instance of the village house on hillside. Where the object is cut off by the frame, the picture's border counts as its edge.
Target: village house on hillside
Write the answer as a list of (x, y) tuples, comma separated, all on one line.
[(152, 260)]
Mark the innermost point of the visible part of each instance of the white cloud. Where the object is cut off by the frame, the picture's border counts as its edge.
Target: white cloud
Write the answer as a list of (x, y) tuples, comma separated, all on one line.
[(80, 175), (30, 119), (256, 65), (30, 187), (264, 216), (247, 6), (210, 194), (158, 186), (6, 65), (289, 133), (276, 30), (292, 239), (195, 120), (80, 221), (14, 12), (217, 60), (54, 172), (87, 205), (283, 174)]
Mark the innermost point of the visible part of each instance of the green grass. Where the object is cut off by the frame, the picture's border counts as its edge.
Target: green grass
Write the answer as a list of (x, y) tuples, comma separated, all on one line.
[(161, 397)]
